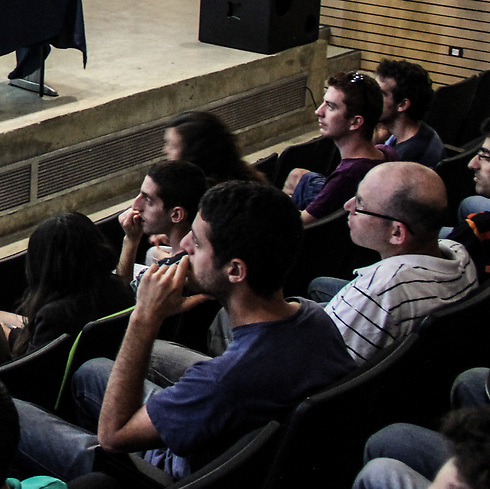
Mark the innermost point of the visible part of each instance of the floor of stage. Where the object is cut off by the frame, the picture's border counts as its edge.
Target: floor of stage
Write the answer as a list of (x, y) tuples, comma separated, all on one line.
[(132, 47)]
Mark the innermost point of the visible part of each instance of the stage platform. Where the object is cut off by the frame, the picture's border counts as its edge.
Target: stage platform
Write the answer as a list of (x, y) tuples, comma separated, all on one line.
[(90, 147)]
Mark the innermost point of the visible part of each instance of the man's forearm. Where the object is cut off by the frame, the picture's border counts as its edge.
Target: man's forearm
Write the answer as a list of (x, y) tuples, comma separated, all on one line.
[(124, 393), (127, 259)]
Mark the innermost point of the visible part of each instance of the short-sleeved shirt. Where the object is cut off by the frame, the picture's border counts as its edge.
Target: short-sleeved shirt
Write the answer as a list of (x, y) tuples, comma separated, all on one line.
[(425, 147), (267, 368), (342, 183)]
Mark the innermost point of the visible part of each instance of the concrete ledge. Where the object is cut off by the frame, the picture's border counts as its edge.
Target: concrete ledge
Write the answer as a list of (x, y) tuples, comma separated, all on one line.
[(59, 133)]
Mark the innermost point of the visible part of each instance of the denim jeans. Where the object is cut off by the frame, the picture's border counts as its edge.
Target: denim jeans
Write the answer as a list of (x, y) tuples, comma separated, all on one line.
[(169, 361), (421, 449), (470, 205), (323, 289), (52, 446), (469, 388), (387, 473)]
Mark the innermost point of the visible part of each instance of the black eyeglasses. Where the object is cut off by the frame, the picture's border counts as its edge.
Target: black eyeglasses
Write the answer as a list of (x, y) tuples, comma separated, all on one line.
[(383, 216), (483, 155)]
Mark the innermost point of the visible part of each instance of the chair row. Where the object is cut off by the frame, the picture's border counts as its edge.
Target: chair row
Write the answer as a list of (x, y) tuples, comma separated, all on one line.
[(458, 110), (319, 155)]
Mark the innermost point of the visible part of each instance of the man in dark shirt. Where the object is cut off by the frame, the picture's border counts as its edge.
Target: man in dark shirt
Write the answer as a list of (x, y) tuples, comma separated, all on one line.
[(407, 93), (348, 115), (282, 350)]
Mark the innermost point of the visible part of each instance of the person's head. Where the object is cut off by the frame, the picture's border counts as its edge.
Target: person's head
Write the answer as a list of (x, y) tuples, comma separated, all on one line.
[(469, 466), (67, 255), (244, 233), (9, 433), (480, 164), (169, 195), (399, 207), (406, 87), (353, 102), (203, 139)]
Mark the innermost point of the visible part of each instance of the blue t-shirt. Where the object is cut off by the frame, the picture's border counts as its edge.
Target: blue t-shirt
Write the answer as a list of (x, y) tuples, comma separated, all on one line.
[(425, 147), (267, 368)]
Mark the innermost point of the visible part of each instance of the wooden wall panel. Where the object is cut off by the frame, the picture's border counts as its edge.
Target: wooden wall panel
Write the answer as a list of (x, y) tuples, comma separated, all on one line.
[(419, 31)]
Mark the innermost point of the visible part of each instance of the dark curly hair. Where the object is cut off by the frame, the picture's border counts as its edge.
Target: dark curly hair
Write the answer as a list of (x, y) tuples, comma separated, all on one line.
[(469, 431), (412, 82), (258, 224)]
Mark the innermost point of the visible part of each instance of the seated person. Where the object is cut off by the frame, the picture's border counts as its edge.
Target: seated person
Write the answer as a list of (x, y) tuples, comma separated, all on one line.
[(167, 204), (408, 456), (474, 212), (397, 211), (203, 139), (70, 282), (348, 115), (407, 94), (282, 349)]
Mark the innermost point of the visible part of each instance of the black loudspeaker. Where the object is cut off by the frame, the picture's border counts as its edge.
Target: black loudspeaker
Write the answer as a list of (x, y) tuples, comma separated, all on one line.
[(261, 26)]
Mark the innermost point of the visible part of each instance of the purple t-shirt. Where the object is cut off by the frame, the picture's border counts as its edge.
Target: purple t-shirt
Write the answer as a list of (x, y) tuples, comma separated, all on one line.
[(341, 184)]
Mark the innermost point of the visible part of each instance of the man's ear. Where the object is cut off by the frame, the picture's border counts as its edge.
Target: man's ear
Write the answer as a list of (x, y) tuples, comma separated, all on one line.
[(237, 271), (178, 214), (404, 105), (356, 122), (399, 234)]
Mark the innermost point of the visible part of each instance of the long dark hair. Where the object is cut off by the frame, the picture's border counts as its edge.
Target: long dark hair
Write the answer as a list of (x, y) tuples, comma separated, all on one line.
[(209, 144), (67, 255)]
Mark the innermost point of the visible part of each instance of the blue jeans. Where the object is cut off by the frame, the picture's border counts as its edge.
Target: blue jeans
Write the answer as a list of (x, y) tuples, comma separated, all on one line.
[(52, 446), (169, 361), (423, 450), (469, 388), (308, 188), (470, 205), (323, 289), (387, 473)]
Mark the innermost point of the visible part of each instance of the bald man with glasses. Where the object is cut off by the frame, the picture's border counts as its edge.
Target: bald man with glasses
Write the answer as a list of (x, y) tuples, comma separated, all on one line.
[(397, 211)]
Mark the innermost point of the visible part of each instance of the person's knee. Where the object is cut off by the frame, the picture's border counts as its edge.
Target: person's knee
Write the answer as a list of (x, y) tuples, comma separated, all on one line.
[(469, 388), (293, 179), (91, 373), (386, 473), (386, 442)]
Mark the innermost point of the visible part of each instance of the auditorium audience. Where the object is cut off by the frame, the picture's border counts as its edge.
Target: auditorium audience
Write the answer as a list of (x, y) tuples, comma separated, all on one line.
[(282, 349), (348, 115), (69, 283), (407, 94)]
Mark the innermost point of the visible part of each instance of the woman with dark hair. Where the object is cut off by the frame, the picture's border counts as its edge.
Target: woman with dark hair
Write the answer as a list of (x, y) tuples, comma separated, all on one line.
[(203, 139), (69, 283)]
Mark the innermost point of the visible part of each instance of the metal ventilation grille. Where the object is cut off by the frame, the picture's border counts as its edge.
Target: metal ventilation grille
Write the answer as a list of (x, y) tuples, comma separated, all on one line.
[(273, 101), (65, 171), (15, 188)]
